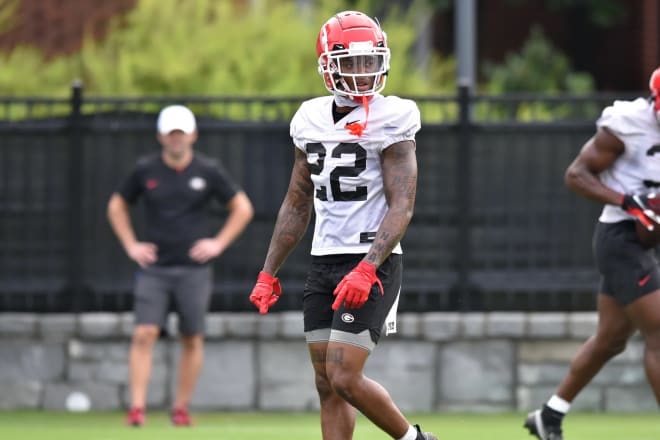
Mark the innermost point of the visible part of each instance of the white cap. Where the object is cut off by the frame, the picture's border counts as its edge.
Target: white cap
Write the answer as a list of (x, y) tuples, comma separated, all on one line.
[(176, 117)]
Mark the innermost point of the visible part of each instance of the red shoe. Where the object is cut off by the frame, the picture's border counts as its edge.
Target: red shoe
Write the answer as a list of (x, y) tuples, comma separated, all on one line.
[(180, 417), (135, 417)]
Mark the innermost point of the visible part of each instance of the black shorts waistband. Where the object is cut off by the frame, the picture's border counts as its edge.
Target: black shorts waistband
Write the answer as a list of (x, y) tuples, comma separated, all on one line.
[(336, 258)]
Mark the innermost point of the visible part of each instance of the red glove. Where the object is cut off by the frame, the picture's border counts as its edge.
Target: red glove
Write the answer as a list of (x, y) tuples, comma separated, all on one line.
[(645, 208), (353, 290), (266, 292)]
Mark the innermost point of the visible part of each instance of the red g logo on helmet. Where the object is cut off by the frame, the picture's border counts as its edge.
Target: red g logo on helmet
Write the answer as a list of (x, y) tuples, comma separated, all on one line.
[(353, 55)]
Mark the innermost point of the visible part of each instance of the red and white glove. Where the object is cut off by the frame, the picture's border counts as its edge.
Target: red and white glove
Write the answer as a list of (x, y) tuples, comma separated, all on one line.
[(645, 208), (353, 290), (266, 292)]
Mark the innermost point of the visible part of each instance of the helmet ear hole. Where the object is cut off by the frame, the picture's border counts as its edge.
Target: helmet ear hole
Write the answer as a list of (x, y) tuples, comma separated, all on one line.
[(328, 81)]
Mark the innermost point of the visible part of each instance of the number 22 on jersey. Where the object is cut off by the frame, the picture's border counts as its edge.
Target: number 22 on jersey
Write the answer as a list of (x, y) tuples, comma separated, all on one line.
[(343, 170)]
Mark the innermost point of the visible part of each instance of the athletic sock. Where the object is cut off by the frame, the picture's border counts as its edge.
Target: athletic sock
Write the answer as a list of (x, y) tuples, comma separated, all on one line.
[(554, 410), (558, 404), (411, 434)]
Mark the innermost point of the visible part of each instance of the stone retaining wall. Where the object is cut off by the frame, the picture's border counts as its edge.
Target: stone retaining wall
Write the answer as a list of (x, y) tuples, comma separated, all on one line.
[(436, 362)]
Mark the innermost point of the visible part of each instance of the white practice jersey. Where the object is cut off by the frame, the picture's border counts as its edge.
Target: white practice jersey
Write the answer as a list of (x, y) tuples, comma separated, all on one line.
[(349, 199), (637, 170)]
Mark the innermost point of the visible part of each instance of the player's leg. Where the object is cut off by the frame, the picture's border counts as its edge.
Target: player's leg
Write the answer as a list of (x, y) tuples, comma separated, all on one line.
[(340, 342), (337, 415), (354, 334), (192, 294), (614, 330), (150, 307), (345, 364), (620, 260), (645, 313)]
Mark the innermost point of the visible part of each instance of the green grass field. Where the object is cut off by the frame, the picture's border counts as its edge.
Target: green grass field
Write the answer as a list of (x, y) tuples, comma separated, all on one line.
[(295, 426)]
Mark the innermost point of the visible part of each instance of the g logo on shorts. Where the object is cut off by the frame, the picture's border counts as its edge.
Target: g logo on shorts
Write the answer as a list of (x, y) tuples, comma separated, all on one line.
[(347, 318)]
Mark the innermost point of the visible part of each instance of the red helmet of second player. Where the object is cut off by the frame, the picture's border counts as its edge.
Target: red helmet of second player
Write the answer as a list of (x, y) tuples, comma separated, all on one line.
[(654, 86)]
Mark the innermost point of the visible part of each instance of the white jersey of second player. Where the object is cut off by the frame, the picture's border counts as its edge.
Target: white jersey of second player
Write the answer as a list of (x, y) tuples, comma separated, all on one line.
[(349, 199), (637, 170)]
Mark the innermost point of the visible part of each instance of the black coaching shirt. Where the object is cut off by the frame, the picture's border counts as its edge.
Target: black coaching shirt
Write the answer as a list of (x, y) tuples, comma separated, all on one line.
[(176, 202)]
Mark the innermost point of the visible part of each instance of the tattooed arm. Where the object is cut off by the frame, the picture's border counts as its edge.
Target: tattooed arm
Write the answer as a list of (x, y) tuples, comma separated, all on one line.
[(293, 217), (399, 166)]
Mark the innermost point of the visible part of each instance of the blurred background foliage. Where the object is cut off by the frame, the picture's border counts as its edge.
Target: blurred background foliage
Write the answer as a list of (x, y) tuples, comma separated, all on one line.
[(211, 47), (537, 67), (263, 48)]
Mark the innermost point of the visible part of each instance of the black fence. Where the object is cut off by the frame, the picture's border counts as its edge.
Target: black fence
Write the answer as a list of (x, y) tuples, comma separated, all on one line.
[(494, 227)]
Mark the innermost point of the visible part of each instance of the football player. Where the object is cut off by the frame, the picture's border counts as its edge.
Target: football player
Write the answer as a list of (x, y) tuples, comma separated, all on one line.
[(355, 165), (619, 167)]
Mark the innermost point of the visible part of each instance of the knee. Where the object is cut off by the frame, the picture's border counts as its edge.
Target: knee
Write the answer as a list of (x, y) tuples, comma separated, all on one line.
[(323, 387), (611, 348), (192, 343), (343, 383), (145, 337), (652, 340)]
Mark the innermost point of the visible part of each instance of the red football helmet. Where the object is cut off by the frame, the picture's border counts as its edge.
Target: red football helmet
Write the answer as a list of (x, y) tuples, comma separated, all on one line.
[(353, 55), (654, 86)]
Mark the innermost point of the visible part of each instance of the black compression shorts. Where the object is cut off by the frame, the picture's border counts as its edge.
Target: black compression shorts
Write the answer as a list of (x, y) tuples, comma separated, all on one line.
[(324, 275)]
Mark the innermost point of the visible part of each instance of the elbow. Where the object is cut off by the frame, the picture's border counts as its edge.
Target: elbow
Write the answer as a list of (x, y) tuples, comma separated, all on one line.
[(405, 213), (571, 177), (403, 209), (409, 213), (245, 209), (248, 212), (112, 208)]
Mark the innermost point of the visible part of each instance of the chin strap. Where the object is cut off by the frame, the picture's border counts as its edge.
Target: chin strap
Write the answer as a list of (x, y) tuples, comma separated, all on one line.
[(345, 101), (356, 128)]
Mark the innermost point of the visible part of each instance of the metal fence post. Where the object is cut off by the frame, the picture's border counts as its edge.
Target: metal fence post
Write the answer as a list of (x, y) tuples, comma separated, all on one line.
[(461, 296), (75, 189)]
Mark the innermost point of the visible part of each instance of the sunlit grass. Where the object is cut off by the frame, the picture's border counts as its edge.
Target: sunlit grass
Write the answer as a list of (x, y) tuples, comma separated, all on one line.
[(305, 426)]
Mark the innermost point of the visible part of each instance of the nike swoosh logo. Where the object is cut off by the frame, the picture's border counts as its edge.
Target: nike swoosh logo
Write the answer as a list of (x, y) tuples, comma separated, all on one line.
[(352, 122), (644, 280)]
